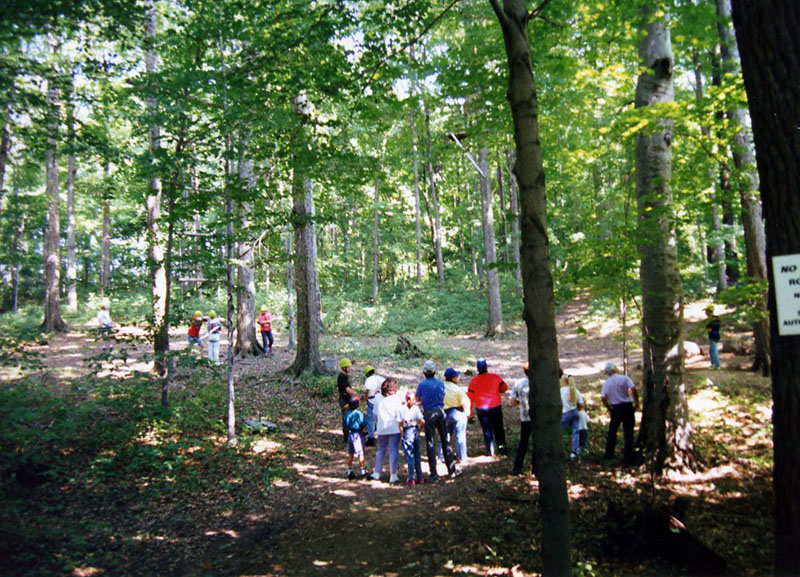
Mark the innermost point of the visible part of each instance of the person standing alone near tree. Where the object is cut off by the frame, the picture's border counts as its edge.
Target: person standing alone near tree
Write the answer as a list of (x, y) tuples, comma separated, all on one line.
[(265, 322), (713, 329)]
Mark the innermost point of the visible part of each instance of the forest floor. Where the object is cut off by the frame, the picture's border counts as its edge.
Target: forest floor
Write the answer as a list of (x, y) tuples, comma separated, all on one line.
[(308, 520)]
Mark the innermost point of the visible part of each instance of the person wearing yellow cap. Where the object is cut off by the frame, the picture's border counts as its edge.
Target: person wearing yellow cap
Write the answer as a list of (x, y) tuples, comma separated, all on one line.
[(214, 329), (346, 391), (713, 329), (372, 386), (194, 329), (265, 322)]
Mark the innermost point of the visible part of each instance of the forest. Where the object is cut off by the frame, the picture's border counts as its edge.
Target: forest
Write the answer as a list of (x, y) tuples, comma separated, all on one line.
[(390, 186)]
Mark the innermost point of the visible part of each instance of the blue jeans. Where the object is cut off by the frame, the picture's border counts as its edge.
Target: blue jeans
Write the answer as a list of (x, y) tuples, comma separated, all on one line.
[(494, 433), (456, 428), (571, 417), (392, 444), (713, 353), (266, 337), (411, 449), (370, 419)]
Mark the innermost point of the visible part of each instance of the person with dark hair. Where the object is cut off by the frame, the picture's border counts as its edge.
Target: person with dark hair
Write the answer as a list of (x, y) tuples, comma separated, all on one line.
[(485, 392), (346, 391), (430, 393), (354, 423), (456, 408), (388, 412), (713, 327), (372, 389), (409, 429)]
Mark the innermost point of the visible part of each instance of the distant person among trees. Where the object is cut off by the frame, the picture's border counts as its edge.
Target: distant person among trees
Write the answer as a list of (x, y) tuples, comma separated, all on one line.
[(456, 409), (265, 322), (713, 329), (485, 392), (430, 393), (571, 403), (105, 326), (345, 390), (354, 423), (214, 330), (583, 432), (520, 395), (410, 423), (372, 387), (389, 413), (622, 400), (193, 335)]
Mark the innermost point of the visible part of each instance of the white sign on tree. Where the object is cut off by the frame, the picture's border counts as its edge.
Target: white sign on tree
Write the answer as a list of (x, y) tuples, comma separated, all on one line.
[(786, 275)]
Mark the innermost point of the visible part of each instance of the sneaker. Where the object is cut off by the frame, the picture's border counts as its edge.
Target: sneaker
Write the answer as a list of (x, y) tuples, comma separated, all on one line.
[(351, 475), (411, 482), (573, 456), (433, 478), (455, 472), (393, 479), (375, 476)]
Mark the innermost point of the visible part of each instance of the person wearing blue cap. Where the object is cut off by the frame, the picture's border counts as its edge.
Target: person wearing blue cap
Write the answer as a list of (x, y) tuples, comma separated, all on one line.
[(430, 393), (484, 391), (456, 408)]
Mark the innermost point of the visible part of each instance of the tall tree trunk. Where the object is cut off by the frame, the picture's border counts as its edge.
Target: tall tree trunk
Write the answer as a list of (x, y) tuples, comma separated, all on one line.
[(514, 197), (503, 224), (72, 265), (158, 270), (718, 200), (479, 255), (105, 259), (246, 340), (417, 217), (5, 146), (437, 223), (755, 240), (307, 357), (769, 45), (375, 247), (16, 252), (52, 258), (539, 302), (496, 327), (665, 429), (289, 288)]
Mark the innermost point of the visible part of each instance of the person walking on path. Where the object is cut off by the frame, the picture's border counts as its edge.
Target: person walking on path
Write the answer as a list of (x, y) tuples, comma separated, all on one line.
[(713, 329), (105, 326), (571, 403), (456, 408), (372, 386), (485, 392), (430, 393), (520, 398), (410, 423), (214, 329), (389, 414), (265, 322), (620, 397), (345, 390)]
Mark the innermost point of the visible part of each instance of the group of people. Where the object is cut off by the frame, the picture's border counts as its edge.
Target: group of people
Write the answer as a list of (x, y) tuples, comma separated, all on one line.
[(392, 420), (214, 331)]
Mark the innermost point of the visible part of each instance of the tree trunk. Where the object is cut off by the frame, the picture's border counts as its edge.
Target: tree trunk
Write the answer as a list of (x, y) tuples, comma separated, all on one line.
[(417, 217), (52, 258), (289, 287), (5, 149), (539, 302), (479, 255), (503, 224), (755, 241), (307, 357), (496, 327), (72, 268), (514, 197), (158, 270), (769, 45), (437, 223), (105, 262), (665, 428), (375, 245), (246, 339)]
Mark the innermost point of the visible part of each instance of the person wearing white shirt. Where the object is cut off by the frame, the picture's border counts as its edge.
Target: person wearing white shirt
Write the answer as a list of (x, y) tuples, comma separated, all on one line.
[(372, 386)]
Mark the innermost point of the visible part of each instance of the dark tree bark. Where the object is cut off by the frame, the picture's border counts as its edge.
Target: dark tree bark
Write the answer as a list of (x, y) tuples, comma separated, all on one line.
[(246, 339), (665, 427), (514, 197), (769, 47), (417, 217), (539, 307), (105, 259)]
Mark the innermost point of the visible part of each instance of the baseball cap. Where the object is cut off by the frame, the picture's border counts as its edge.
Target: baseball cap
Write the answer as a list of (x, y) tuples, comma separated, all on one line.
[(450, 373), (368, 369), (482, 366), (429, 366), (610, 367)]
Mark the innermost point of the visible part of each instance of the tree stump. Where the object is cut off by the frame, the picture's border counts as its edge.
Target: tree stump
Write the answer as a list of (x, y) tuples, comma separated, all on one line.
[(405, 348)]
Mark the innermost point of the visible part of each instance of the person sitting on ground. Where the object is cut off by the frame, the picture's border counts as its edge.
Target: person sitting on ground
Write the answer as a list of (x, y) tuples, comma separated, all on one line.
[(265, 322), (372, 388), (430, 393), (194, 329), (410, 423), (520, 398), (354, 423), (345, 390), (105, 325), (213, 333), (388, 412), (571, 403), (620, 397), (456, 408), (485, 392)]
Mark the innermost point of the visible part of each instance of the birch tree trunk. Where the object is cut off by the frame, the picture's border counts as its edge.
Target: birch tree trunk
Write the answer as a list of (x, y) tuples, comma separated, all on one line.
[(375, 247), (307, 357), (665, 427), (105, 262), (417, 216), (769, 45), (755, 240), (539, 302), (72, 268), (5, 146), (246, 339), (158, 270), (514, 198), (437, 223), (52, 258), (495, 327)]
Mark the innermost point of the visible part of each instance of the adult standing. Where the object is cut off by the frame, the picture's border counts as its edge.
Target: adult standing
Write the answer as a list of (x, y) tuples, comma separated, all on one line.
[(484, 391), (520, 395), (389, 414), (713, 327), (571, 403), (105, 325), (346, 391), (456, 408), (620, 397), (214, 328), (430, 393), (372, 386), (265, 322)]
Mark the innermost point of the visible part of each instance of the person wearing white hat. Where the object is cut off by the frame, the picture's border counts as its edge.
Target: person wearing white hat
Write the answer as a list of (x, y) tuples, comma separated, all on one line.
[(620, 397)]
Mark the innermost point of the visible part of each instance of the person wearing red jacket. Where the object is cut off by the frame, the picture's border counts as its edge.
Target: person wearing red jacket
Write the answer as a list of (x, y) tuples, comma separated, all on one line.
[(484, 391)]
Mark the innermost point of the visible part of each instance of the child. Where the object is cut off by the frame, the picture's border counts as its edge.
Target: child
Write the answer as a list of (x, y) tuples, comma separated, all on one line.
[(713, 329), (354, 423), (265, 322), (105, 325), (583, 432), (388, 410), (194, 329), (214, 328), (410, 422)]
